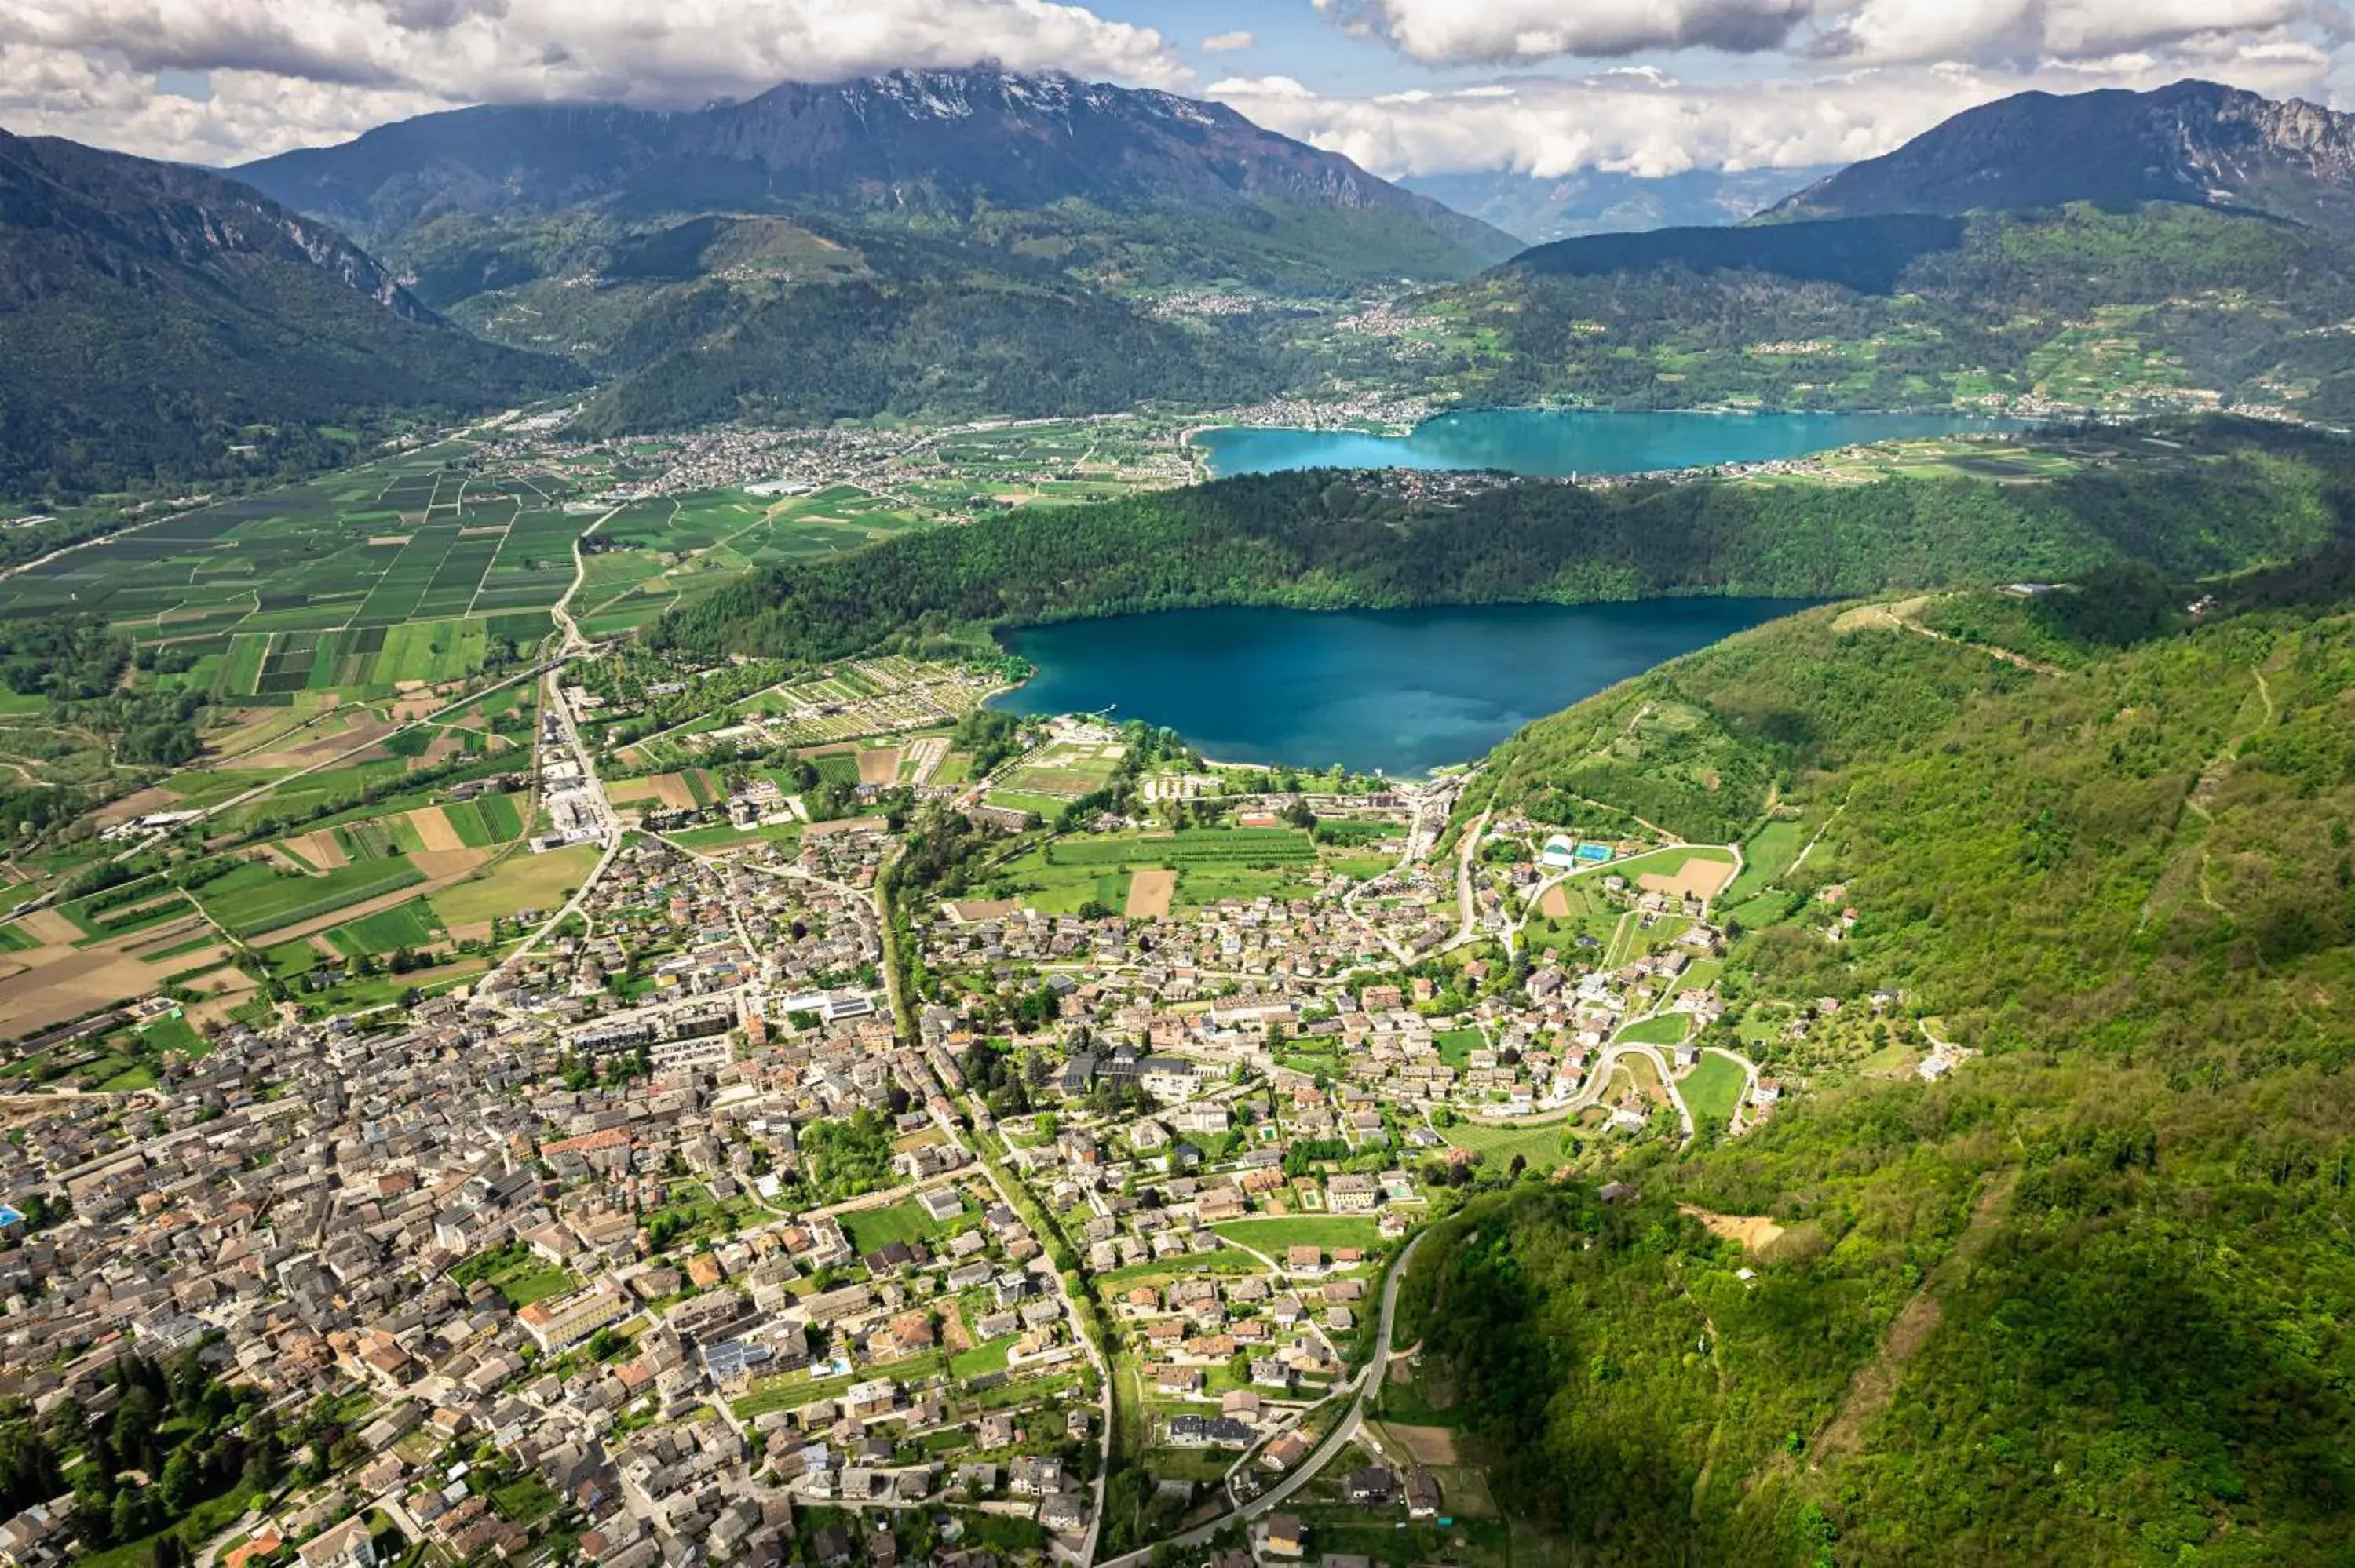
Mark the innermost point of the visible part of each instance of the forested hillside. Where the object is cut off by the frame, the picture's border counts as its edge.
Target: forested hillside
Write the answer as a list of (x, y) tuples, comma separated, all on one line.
[(2099, 1267), (1334, 541), (2077, 304), (903, 327), (164, 325)]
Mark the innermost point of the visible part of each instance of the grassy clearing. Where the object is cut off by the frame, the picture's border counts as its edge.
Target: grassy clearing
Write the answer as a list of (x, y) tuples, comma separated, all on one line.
[(1664, 1029), (1274, 1236), (904, 1222), (521, 881), (517, 1273), (1764, 858), (1712, 1090), (1456, 1046)]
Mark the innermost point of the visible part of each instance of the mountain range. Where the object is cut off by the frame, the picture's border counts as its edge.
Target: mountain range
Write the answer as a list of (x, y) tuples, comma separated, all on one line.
[(938, 145), (2196, 142), (925, 244), (2185, 246), (168, 322), (951, 244)]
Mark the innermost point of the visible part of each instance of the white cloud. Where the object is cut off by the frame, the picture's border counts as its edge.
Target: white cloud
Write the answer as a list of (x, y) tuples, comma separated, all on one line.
[(291, 72), (1650, 124), (1504, 31), (1226, 43), (2031, 31), (2016, 33)]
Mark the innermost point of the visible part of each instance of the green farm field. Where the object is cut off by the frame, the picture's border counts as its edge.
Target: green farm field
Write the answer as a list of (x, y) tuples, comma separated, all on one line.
[(1541, 1146), (410, 926), (1765, 856), (255, 897), (1663, 1029)]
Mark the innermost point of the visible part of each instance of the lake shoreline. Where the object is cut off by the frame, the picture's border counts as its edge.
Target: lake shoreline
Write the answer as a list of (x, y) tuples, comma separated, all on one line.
[(1572, 443), (1399, 692)]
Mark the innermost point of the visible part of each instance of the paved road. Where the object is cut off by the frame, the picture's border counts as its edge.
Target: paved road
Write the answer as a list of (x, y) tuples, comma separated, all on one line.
[(1467, 907), (1598, 1080), (1343, 1434), (556, 705), (574, 642)]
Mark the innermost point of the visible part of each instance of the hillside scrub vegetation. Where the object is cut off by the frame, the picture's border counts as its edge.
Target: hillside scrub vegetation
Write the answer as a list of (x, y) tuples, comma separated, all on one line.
[(2073, 1302)]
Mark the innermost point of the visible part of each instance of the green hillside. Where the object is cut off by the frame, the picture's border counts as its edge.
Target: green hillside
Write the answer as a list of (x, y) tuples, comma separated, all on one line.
[(2082, 305), (2099, 1269)]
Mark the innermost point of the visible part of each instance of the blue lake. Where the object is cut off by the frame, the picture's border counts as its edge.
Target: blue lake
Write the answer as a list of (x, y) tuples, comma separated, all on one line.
[(1402, 691), (1563, 441)]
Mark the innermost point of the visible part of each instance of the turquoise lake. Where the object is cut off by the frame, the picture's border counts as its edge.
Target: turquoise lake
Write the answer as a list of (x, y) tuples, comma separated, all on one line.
[(1402, 691), (1563, 441)]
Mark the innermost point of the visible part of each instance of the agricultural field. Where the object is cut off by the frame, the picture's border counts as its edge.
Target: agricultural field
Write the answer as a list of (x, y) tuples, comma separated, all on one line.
[(888, 695), (1766, 856), (256, 897), (409, 926), (395, 573), (1062, 772), (1569, 917), (518, 883), (1205, 866), (1539, 1146)]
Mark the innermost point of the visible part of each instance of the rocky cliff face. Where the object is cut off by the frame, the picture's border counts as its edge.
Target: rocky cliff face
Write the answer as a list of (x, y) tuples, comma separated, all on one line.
[(65, 207), (2195, 142)]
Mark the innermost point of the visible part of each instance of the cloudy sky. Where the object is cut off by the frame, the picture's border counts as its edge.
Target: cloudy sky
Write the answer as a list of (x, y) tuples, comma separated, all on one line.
[(1546, 87)]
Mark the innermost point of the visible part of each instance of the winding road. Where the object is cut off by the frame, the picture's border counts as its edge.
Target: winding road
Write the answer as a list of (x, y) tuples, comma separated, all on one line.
[(1344, 1433)]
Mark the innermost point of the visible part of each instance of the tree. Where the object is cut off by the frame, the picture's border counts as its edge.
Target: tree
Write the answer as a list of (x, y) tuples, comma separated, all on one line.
[(127, 1520), (177, 1486)]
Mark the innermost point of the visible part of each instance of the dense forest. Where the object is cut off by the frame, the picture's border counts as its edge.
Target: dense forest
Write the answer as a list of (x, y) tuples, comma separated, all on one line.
[(1330, 540), (1909, 309), (2126, 878), (62, 656)]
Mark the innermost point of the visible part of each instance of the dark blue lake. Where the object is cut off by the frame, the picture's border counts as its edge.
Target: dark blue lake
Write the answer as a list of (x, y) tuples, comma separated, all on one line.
[(1561, 441), (1401, 690)]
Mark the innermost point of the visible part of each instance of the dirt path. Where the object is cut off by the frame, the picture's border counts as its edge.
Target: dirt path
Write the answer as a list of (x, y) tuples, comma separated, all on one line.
[(1754, 1232), (2205, 786), (1899, 616), (1875, 1386)]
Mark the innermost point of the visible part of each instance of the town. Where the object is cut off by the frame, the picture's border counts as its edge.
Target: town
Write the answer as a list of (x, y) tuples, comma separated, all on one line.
[(981, 1140)]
